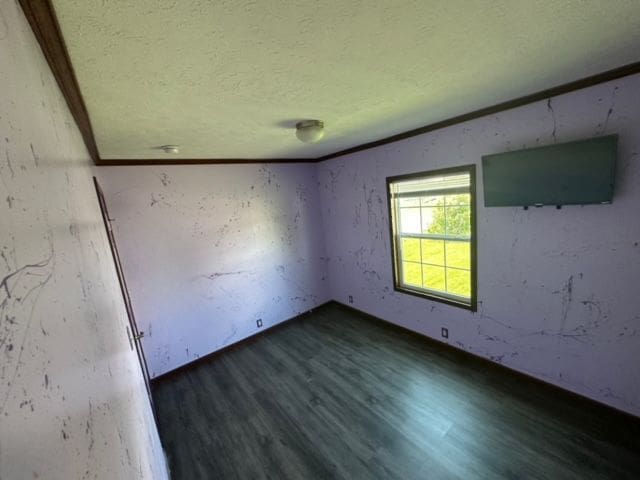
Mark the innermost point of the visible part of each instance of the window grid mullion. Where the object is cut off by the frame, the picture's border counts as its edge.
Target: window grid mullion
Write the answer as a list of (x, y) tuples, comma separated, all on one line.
[(446, 287), (420, 243), (437, 265), (429, 236)]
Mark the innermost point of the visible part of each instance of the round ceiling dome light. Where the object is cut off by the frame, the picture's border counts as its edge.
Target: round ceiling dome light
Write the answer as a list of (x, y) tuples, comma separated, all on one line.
[(310, 131), (170, 148)]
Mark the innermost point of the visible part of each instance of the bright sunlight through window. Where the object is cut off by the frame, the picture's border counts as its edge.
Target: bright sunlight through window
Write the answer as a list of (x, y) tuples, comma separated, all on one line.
[(433, 233)]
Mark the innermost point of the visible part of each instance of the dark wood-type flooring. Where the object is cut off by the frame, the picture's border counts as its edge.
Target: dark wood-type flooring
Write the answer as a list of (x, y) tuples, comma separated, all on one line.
[(336, 394)]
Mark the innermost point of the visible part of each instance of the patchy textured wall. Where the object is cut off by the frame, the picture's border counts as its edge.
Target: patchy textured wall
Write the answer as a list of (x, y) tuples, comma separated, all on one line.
[(557, 289), (72, 399), (209, 250)]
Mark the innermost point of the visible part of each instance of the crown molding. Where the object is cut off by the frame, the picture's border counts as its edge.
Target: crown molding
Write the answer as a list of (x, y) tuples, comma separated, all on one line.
[(43, 21), (199, 161)]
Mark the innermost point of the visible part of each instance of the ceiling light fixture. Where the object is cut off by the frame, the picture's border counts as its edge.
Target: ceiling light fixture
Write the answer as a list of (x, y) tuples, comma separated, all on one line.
[(310, 131), (170, 148)]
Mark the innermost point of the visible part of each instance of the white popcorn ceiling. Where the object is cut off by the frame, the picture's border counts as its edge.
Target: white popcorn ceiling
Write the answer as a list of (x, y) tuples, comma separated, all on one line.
[(229, 79)]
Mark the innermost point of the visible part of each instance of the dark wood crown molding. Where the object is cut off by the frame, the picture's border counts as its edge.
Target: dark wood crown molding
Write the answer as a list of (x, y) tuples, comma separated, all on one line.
[(199, 161), (42, 18), (43, 21)]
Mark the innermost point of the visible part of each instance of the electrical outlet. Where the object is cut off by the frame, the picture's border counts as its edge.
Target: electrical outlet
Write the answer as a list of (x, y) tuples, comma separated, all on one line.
[(350, 298), (445, 332), (259, 322)]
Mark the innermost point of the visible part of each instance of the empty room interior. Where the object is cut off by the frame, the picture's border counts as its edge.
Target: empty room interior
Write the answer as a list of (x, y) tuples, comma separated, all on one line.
[(319, 240)]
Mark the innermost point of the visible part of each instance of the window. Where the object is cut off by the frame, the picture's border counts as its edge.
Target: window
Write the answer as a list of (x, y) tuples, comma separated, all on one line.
[(433, 234)]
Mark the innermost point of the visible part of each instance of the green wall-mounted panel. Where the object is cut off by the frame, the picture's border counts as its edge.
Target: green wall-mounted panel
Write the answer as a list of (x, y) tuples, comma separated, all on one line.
[(571, 173)]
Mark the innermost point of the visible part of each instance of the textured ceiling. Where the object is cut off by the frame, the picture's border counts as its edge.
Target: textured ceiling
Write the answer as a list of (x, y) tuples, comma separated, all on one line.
[(229, 79)]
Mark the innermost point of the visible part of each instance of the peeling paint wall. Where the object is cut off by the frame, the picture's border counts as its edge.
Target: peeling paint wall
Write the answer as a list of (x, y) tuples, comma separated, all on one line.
[(72, 398), (557, 289), (209, 250)]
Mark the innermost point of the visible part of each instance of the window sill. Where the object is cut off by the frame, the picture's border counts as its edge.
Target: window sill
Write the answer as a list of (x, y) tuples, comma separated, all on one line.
[(471, 306)]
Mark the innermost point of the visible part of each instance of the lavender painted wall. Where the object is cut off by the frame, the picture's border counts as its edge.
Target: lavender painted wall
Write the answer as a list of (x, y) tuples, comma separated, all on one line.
[(558, 289), (72, 398), (209, 250)]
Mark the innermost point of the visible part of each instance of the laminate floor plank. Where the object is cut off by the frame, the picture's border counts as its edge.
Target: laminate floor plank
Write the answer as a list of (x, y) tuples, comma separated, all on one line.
[(336, 394)]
